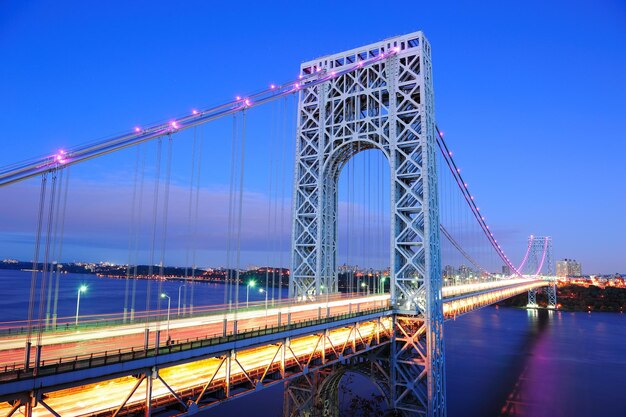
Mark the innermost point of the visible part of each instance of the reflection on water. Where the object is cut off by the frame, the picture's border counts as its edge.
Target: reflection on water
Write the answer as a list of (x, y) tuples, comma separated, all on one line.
[(536, 363)]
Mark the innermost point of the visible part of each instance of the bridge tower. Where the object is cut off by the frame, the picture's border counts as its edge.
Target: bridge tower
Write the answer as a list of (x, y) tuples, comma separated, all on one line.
[(386, 105), (540, 264)]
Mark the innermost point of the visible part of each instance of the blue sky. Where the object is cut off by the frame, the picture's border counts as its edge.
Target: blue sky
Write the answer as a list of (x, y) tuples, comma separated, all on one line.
[(530, 95)]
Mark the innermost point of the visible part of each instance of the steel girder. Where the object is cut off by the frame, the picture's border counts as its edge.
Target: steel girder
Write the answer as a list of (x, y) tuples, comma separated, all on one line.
[(388, 106)]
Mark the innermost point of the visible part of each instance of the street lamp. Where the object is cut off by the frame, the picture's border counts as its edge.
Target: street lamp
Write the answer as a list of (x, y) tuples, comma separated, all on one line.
[(169, 302), (251, 283), (262, 291), (364, 285), (382, 284), (82, 288)]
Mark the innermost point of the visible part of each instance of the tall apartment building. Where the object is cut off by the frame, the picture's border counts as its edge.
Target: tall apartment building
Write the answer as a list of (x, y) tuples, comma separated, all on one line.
[(568, 268)]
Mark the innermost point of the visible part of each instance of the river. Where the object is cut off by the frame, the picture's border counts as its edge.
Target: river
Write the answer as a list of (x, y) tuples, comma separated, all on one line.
[(499, 361)]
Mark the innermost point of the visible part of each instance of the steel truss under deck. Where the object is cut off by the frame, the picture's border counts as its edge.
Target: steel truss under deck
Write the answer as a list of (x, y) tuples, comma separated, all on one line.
[(216, 378)]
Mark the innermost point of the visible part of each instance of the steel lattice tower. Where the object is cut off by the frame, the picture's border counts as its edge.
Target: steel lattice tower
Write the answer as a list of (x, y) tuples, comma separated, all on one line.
[(540, 264), (387, 105)]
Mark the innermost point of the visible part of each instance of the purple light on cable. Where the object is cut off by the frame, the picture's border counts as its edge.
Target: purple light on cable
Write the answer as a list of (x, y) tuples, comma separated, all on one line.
[(174, 125), (300, 76), (272, 86), (60, 156), (238, 98), (297, 86), (247, 102), (332, 74), (137, 129), (194, 112)]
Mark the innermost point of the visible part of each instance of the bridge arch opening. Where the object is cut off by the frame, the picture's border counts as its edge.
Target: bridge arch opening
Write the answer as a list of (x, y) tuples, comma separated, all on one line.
[(360, 173), (353, 390)]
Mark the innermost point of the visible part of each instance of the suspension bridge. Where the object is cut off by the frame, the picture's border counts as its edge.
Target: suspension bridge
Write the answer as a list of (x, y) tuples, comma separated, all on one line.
[(411, 207)]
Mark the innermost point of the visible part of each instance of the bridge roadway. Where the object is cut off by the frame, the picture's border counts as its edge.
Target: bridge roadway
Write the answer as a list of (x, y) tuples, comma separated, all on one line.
[(91, 372)]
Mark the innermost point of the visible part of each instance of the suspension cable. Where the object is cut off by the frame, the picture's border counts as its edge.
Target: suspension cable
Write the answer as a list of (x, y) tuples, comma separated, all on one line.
[(194, 238)]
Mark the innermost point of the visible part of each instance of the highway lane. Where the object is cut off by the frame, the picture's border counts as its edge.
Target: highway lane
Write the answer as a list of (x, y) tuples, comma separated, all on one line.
[(86, 342)]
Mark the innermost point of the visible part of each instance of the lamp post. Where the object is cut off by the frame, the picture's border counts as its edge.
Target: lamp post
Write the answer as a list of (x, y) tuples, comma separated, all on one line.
[(382, 284), (251, 283), (364, 286), (169, 302), (82, 288)]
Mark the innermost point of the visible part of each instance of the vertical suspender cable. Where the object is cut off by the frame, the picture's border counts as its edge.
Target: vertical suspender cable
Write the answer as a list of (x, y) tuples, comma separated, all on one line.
[(270, 238), (189, 216), (33, 280), (155, 206), (166, 205), (44, 278), (133, 293), (284, 141), (60, 250), (276, 241), (131, 235), (240, 208), (228, 296), (54, 239), (194, 239)]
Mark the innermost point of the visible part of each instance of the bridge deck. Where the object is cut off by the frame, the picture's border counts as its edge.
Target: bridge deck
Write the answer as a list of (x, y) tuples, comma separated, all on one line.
[(317, 334)]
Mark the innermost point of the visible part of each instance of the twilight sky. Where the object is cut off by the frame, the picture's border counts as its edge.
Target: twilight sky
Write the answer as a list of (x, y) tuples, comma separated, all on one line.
[(531, 96)]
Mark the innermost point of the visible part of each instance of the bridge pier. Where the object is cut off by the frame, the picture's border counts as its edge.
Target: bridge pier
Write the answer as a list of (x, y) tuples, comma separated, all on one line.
[(532, 298), (550, 293), (551, 290)]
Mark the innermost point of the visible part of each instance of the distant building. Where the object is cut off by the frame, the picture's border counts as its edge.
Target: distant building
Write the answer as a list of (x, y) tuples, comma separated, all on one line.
[(465, 272), (449, 271), (568, 268), (506, 270)]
